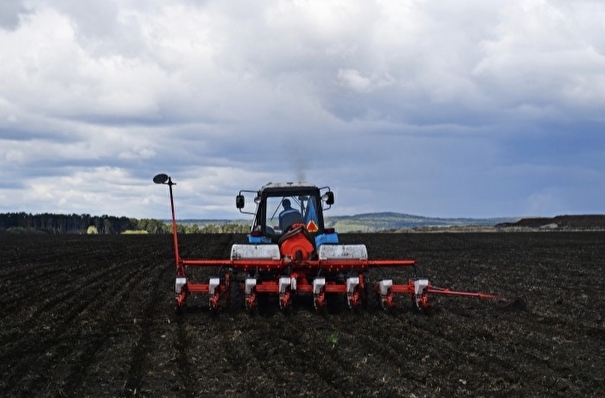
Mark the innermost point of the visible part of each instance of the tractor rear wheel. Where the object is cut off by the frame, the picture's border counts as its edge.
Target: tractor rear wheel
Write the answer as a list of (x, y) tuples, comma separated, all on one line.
[(371, 298), (236, 295)]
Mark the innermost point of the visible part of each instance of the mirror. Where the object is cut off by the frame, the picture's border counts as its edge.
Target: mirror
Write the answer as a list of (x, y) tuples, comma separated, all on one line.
[(328, 197), (239, 201)]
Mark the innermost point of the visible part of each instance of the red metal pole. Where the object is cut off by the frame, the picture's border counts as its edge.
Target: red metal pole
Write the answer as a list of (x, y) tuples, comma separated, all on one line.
[(175, 240)]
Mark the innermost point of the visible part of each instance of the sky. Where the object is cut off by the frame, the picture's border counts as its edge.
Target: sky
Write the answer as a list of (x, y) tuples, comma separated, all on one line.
[(434, 108)]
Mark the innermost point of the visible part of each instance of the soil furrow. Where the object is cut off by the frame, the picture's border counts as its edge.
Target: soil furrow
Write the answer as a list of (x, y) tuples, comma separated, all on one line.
[(50, 347), (110, 313), (94, 316), (140, 356)]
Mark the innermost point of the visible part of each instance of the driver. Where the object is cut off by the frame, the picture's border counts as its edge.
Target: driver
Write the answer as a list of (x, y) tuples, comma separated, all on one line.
[(288, 215)]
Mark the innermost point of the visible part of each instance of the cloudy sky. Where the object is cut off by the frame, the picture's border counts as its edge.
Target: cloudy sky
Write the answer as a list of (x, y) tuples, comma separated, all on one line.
[(470, 108)]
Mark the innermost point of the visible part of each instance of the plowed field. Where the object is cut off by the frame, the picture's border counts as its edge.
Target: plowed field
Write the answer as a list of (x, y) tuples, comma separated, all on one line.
[(94, 316)]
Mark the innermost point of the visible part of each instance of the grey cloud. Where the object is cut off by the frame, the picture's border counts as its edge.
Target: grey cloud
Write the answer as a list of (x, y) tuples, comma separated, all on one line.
[(428, 108), (10, 13)]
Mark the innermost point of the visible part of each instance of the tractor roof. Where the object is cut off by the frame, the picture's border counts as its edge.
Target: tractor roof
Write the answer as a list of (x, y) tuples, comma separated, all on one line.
[(286, 185)]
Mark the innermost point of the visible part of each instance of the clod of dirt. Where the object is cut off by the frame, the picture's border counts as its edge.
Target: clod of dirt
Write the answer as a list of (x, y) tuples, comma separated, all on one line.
[(517, 304)]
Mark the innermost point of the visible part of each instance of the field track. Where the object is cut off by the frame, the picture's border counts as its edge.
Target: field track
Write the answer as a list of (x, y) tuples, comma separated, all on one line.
[(94, 316)]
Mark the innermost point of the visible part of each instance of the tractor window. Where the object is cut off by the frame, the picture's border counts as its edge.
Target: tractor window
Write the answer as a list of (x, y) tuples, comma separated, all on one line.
[(272, 213), (305, 207), (275, 207)]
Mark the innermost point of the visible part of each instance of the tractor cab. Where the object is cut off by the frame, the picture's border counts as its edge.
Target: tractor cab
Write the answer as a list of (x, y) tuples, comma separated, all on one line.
[(283, 207)]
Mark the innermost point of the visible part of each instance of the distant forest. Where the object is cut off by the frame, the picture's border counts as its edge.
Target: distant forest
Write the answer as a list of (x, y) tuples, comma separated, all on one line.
[(85, 223)]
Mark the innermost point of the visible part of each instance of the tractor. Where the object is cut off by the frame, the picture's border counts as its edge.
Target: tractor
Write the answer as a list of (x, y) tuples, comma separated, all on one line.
[(290, 252)]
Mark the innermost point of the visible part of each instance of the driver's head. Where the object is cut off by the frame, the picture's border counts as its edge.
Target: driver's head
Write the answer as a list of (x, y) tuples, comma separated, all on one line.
[(286, 203)]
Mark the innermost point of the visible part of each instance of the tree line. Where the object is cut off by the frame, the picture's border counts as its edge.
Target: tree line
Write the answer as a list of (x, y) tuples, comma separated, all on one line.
[(105, 224)]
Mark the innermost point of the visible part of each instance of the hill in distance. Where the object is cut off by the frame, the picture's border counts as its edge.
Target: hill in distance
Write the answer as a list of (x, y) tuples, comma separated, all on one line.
[(387, 221), (583, 221), (372, 222), (390, 221)]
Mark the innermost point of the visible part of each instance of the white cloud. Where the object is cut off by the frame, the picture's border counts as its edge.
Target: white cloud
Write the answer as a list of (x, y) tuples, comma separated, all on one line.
[(543, 53), (411, 99), (353, 79)]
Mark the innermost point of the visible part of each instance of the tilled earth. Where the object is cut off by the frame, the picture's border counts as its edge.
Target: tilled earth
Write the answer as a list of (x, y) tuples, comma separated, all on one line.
[(94, 316)]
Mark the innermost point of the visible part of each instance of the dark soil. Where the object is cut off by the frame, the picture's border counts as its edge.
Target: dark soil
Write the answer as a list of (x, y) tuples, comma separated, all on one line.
[(94, 316), (585, 222)]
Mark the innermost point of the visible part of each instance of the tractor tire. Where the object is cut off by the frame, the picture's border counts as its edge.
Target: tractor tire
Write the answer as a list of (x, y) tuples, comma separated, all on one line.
[(371, 299), (236, 302)]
